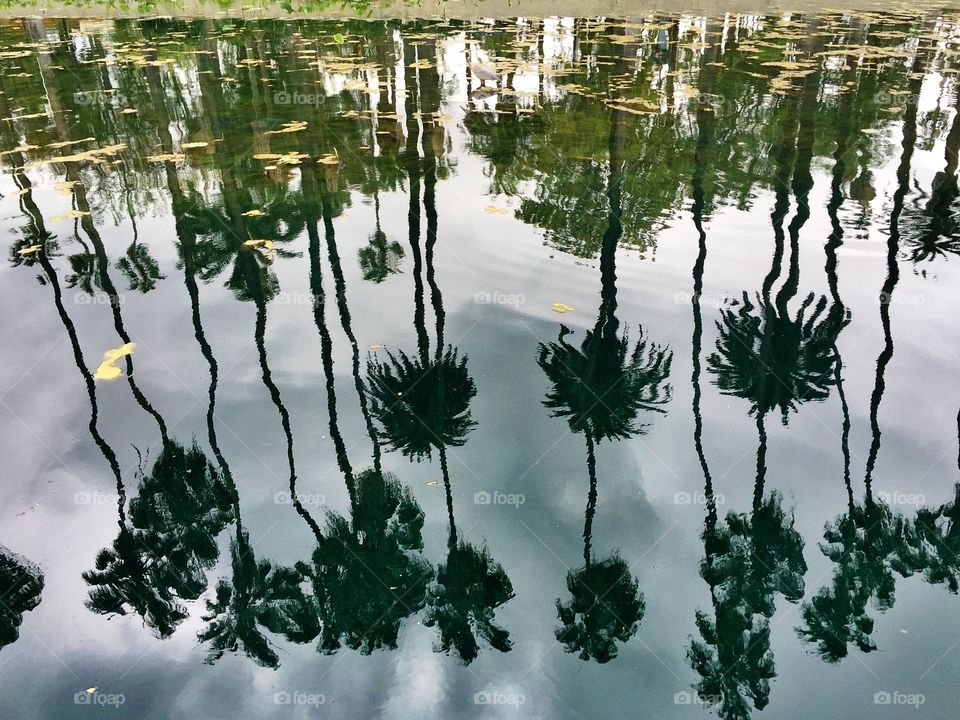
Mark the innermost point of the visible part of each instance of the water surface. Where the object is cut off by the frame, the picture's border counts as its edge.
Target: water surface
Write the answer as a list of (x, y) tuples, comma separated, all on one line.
[(547, 368)]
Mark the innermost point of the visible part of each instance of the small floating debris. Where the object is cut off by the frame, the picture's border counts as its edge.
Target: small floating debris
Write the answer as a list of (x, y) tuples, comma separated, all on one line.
[(108, 369)]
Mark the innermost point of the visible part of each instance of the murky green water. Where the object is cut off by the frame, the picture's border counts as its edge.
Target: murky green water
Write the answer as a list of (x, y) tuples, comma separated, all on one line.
[(551, 369)]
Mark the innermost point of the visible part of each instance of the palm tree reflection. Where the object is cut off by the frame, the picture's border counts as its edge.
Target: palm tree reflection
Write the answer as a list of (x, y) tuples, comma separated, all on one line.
[(938, 532), (870, 541), (601, 388), (367, 572), (381, 257), (21, 585), (747, 558), (933, 232), (422, 405)]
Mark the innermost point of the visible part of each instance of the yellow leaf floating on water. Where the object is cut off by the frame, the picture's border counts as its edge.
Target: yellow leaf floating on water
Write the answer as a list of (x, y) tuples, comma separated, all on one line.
[(67, 143), (289, 127), (107, 370), (167, 157), (30, 250), (561, 308), (192, 145), (25, 117), (494, 210), (20, 149), (291, 158), (68, 215), (252, 213), (88, 155), (376, 346), (431, 483)]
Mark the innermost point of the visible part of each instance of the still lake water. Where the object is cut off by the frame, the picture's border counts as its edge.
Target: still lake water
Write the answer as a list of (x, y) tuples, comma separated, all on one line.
[(570, 368)]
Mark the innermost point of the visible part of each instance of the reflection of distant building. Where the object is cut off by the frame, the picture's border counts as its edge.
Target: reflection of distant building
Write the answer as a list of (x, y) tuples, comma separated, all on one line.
[(661, 48)]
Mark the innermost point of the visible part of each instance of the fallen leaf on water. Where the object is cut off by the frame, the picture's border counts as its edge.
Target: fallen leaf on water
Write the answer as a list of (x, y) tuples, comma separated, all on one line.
[(91, 690), (192, 145), (26, 117), (20, 149), (107, 370), (494, 210), (252, 213), (166, 157), (431, 483), (67, 143), (376, 346), (289, 127), (561, 308), (268, 244), (68, 215), (29, 250)]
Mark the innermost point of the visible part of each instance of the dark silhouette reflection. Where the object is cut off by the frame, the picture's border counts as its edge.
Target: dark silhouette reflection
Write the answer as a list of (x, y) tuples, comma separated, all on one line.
[(748, 558), (766, 354), (125, 577), (21, 581), (21, 585), (258, 595), (139, 268), (870, 541), (146, 566), (162, 556), (181, 506), (587, 193), (381, 257), (470, 586), (932, 231), (867, 544), (422, 404), (938, 535), (601, 388), (367, 572)]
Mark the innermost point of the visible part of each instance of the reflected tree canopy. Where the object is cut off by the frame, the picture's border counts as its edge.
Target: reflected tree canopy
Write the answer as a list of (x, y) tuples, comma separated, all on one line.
[(867, 545), (21, 587), (776, 361), (366, 574), (258, 596)]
